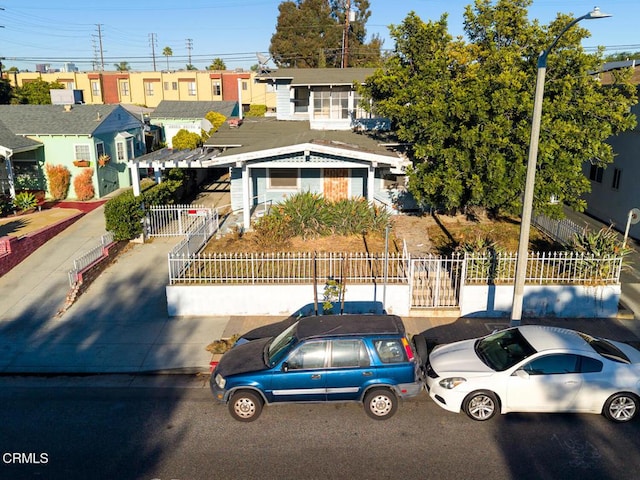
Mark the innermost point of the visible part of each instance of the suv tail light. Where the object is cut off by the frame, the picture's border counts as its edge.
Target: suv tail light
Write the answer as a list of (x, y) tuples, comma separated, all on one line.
[(407, 348)]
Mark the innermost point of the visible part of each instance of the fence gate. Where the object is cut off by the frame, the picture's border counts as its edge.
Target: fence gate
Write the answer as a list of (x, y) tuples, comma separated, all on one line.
[(176, 220), (435, 282)]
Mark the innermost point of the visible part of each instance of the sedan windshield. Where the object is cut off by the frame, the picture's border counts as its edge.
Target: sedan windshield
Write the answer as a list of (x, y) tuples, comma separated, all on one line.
[(502, 350), (280, 343)]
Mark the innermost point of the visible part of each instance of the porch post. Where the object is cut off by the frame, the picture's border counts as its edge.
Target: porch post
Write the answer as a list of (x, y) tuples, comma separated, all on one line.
[(371, 179), (135, 178), (157, 174), (246, 197), (10, 178)]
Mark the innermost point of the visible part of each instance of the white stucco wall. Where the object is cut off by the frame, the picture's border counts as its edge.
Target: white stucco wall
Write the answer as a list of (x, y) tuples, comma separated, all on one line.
[(204, 300), (567, 301)]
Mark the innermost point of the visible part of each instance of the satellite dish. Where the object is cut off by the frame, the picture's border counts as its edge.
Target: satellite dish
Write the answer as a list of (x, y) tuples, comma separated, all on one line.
[(262, 63)]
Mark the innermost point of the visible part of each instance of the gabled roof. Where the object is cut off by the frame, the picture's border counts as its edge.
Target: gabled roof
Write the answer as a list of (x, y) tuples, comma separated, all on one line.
[(319, 76), (56, 119), (172, 109), (267, 133), (14, 142)]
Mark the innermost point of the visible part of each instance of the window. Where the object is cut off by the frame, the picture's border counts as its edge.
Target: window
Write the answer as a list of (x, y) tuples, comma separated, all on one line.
[(216, 88), (245, 86), (308, 355), (553, 365), (301, 100), (99, 149), (390, 351), (120, 151), (124, 88), (174, 85), (148, 89), (191, 88), (283, 178), (339, 103), (166, 86), (359, 104), (322, 103), (349, 353), (95, 88), (595, 173), (616, 179), (82, 152)]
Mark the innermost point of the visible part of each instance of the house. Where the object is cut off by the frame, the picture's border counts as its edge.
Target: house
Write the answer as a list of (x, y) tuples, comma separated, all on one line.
[(173, 116), (614, 190), (64, 134), (320, 141), (324, 97)]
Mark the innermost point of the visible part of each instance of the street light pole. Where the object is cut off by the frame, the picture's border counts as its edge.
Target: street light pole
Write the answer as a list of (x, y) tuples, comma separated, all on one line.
[(527, 201)]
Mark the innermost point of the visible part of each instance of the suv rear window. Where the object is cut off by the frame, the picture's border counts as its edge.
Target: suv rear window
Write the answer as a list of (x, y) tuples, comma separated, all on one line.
[(390, 351)]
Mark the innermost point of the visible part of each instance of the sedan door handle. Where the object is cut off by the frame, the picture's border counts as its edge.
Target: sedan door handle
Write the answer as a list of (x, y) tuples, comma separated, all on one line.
[(316, 376), (367, 374)]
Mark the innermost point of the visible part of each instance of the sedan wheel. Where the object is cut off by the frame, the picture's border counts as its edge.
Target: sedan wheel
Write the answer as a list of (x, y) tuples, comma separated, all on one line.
[(380, 404), (245, 406), (481, 406), (621, 407)]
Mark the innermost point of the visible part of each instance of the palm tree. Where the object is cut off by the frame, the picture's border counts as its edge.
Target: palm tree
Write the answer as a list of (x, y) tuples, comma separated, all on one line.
[(167, 52), (122, 66), (217, 64)]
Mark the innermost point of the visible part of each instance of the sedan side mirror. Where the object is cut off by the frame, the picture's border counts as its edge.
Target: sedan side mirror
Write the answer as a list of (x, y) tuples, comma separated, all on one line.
[(522, 374)]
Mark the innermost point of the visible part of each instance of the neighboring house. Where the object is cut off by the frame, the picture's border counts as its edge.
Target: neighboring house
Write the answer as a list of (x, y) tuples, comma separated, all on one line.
[(151, 88), (20, 158), (325, 97), (615, 190), (62, 134), (173, 116)]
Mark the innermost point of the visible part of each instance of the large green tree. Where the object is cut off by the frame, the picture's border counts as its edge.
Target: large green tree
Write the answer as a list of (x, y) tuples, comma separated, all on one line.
[(6, 92), (311, 34), (465, 108), (36, 92)]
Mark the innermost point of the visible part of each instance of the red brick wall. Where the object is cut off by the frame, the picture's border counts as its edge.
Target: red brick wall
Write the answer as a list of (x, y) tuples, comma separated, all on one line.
[(14, 250)]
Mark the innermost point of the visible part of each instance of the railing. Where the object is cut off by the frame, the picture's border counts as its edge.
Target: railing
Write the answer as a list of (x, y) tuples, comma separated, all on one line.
[(89, 257), (176, 220), (285, 267), (544, 268), (193, 242), (562, 231)]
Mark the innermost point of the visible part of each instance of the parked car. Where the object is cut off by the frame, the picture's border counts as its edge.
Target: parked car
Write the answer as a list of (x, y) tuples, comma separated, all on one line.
[(328, 358), (535, 368)]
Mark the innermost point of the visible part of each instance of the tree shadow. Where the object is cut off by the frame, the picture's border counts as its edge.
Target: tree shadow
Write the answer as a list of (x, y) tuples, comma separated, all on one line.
[(12, 226)]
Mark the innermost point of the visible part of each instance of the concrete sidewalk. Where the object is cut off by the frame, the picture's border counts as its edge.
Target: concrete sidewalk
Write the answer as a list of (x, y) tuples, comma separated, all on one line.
[(120, 324)]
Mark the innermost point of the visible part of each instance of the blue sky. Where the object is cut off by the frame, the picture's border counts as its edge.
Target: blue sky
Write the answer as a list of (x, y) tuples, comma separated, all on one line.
[(45, 31)]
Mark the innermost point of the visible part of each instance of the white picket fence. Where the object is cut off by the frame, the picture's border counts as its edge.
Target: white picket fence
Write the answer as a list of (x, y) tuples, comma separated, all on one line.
[(87, 258)]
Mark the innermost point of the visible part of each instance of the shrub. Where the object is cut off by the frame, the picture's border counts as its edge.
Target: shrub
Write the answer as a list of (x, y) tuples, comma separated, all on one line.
[(272, 231), (596, 247), (25, 201), (123, 216), (6, 205), (306, 214), (83, 184), (186, 140), (59, 179), (256, 111)]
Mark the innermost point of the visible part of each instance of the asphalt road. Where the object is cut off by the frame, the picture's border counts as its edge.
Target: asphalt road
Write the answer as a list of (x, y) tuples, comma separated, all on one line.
[(130, 428)]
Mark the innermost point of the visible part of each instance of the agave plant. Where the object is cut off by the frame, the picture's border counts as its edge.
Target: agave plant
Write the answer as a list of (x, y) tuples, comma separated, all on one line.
[(25, 201)]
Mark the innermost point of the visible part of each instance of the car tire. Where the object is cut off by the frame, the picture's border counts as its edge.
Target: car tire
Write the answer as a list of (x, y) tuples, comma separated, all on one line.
[(621, 407), (245, 406), (481, 405), (380, 403)]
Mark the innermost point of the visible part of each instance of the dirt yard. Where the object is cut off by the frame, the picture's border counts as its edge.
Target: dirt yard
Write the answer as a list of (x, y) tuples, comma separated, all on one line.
[(423, 234)]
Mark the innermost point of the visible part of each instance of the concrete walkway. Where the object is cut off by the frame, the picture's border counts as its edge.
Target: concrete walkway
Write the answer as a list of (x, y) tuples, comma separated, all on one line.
[(120, 324)]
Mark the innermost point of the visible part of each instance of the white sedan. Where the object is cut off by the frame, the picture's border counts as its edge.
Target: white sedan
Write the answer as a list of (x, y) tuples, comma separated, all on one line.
[(536, 369)]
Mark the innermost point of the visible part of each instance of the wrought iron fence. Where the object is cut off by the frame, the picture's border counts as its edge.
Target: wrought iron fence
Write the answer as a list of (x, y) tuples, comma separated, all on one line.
[(177, 220), (562, 231)]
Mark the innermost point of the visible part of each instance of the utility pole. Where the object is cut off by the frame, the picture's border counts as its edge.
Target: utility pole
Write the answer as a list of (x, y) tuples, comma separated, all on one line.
[(345, 35), (97, 48), (153, 41), (189, 48)]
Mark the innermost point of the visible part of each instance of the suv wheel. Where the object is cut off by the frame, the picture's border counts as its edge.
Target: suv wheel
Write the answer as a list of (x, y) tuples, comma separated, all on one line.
[(245, 406), (380, 403)]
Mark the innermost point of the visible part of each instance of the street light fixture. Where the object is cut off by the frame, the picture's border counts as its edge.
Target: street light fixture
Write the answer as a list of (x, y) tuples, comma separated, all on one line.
[(527, 202)]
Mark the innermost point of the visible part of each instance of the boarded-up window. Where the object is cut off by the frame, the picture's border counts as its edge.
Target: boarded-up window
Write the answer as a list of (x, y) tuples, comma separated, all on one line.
[(283, 178)]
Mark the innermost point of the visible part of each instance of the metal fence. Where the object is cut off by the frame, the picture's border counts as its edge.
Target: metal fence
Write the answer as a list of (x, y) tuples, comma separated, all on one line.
[(436, 281), (544, 268), (562, 231), (285, 267), (89, 257), (177, 220)]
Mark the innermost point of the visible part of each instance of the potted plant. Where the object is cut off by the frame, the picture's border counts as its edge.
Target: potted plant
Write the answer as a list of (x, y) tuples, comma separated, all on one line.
[(81, 163), (103, 160)]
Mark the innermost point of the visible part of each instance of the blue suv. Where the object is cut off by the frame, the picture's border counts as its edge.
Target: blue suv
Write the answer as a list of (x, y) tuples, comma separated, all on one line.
[(362, 358)]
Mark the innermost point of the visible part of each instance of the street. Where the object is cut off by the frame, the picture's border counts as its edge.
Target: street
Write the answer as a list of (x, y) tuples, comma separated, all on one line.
[(119, 427)]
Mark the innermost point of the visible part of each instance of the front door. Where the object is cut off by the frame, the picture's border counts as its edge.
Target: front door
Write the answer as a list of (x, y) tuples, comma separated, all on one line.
[(336, 183)]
